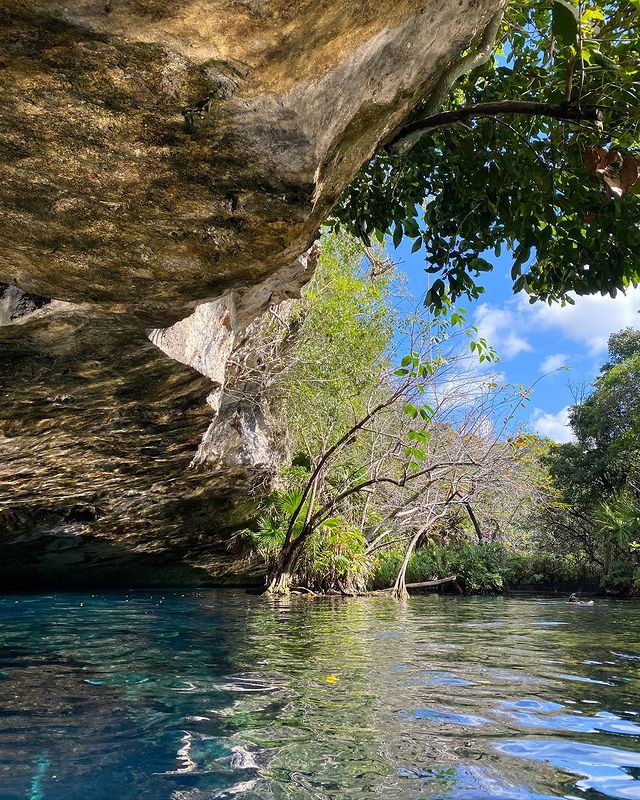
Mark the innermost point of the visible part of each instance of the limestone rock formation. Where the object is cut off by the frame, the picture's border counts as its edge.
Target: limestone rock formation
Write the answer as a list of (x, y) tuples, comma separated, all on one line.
[(165, 165)]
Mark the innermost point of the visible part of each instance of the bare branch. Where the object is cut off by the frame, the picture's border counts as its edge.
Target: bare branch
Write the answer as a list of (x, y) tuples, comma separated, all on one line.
[(562, 111)]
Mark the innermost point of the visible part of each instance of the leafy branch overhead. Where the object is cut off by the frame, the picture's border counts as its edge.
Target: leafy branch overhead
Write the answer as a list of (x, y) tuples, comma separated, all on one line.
[(536, 149)]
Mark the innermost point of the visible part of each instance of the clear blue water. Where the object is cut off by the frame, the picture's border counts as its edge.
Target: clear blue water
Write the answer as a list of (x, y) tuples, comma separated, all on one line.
[(191, 696)]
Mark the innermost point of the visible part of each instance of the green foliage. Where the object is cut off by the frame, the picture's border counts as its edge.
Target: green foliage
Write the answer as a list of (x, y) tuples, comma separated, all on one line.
[(354, 468), (520, 181), (606, 456), (597, 475), (622, 576), (271, 531), (481, 568), (333, 556), (623, 345), (346, 327), (546, 567), (618, 521), (349, 480)]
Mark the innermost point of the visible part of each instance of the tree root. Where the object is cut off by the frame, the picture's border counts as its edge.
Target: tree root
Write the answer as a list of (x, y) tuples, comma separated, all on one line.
[(279, 586)]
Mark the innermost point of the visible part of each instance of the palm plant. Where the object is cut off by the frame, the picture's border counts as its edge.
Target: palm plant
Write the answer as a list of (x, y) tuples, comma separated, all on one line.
[(618, 523), (618, 520), (270, 534), (334, 556)]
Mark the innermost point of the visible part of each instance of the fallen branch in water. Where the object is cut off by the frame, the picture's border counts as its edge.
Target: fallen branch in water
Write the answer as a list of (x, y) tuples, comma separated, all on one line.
[(303, 590), (421, 585)]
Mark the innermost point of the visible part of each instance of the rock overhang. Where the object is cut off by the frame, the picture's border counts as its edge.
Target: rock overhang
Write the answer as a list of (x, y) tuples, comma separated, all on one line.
[(164, 166)]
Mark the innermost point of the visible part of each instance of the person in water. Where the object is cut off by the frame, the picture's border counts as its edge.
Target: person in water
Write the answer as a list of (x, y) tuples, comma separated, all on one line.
[(576, 601)]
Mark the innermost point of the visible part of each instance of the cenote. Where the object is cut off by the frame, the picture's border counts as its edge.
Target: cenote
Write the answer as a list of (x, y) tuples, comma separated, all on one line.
[(194, 695)]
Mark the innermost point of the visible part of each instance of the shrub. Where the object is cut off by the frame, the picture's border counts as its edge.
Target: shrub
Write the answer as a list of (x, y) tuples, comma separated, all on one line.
[(333, 557), (480, 568)]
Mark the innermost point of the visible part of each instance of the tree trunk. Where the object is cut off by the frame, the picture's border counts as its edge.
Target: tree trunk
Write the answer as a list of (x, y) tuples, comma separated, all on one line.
[(280, 584), (475, 523), (280, 580), (399, 591)]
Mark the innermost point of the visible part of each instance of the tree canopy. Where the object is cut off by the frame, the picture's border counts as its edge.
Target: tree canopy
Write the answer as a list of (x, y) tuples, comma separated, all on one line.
[(535, 149), (605, 456), (598, 475)]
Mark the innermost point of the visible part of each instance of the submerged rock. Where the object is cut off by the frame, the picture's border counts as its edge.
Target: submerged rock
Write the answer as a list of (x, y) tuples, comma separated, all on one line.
[(165, 167)]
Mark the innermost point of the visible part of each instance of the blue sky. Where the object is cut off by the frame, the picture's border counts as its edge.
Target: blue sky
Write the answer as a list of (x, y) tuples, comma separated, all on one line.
[(534, 339)]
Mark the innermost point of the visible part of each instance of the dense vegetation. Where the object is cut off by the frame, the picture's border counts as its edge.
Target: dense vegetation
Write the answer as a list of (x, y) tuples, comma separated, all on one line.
[(597, 476), (405, 465)]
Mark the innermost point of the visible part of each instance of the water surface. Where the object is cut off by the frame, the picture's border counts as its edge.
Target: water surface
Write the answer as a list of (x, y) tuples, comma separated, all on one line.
[(201, 695)]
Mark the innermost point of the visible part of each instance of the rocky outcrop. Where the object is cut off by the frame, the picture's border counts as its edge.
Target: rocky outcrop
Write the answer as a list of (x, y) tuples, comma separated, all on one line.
[(165, 166), (128, 455)]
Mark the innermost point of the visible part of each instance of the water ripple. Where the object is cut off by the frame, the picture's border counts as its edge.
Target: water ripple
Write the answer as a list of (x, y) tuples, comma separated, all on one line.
[(198, 695), (606, 769)]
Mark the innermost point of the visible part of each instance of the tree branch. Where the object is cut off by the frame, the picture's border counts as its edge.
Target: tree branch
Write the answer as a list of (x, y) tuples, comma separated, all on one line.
[(352, 432), (475, 58), (317, 518), (528, 108), (475, 522), (420, 585)]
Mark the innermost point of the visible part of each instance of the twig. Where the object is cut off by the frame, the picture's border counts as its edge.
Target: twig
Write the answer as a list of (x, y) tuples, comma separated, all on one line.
[(525, 141)]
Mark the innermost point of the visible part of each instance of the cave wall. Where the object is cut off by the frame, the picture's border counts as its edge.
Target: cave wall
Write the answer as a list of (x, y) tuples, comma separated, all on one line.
[(165, 167)]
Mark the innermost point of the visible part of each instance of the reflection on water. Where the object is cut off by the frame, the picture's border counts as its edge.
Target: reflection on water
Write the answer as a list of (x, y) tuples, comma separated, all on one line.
[(198, 696)]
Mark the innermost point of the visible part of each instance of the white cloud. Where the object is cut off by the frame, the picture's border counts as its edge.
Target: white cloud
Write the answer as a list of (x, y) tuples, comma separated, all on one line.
[(553, 362), (589, 322), (554, 426), (498, 326)]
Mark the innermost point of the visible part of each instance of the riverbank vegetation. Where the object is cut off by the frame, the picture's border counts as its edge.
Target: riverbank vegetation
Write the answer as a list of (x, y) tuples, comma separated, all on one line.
[(597, 476), (405, 464)]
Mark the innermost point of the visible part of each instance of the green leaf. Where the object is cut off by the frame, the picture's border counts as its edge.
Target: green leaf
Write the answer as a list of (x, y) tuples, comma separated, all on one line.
[(411, 227), (481, 265), (398, 233), (411, 410), (564, 22), (520, 283)]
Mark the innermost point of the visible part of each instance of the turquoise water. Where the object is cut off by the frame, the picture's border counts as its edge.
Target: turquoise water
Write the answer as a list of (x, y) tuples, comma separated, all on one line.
[(191, 696)]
